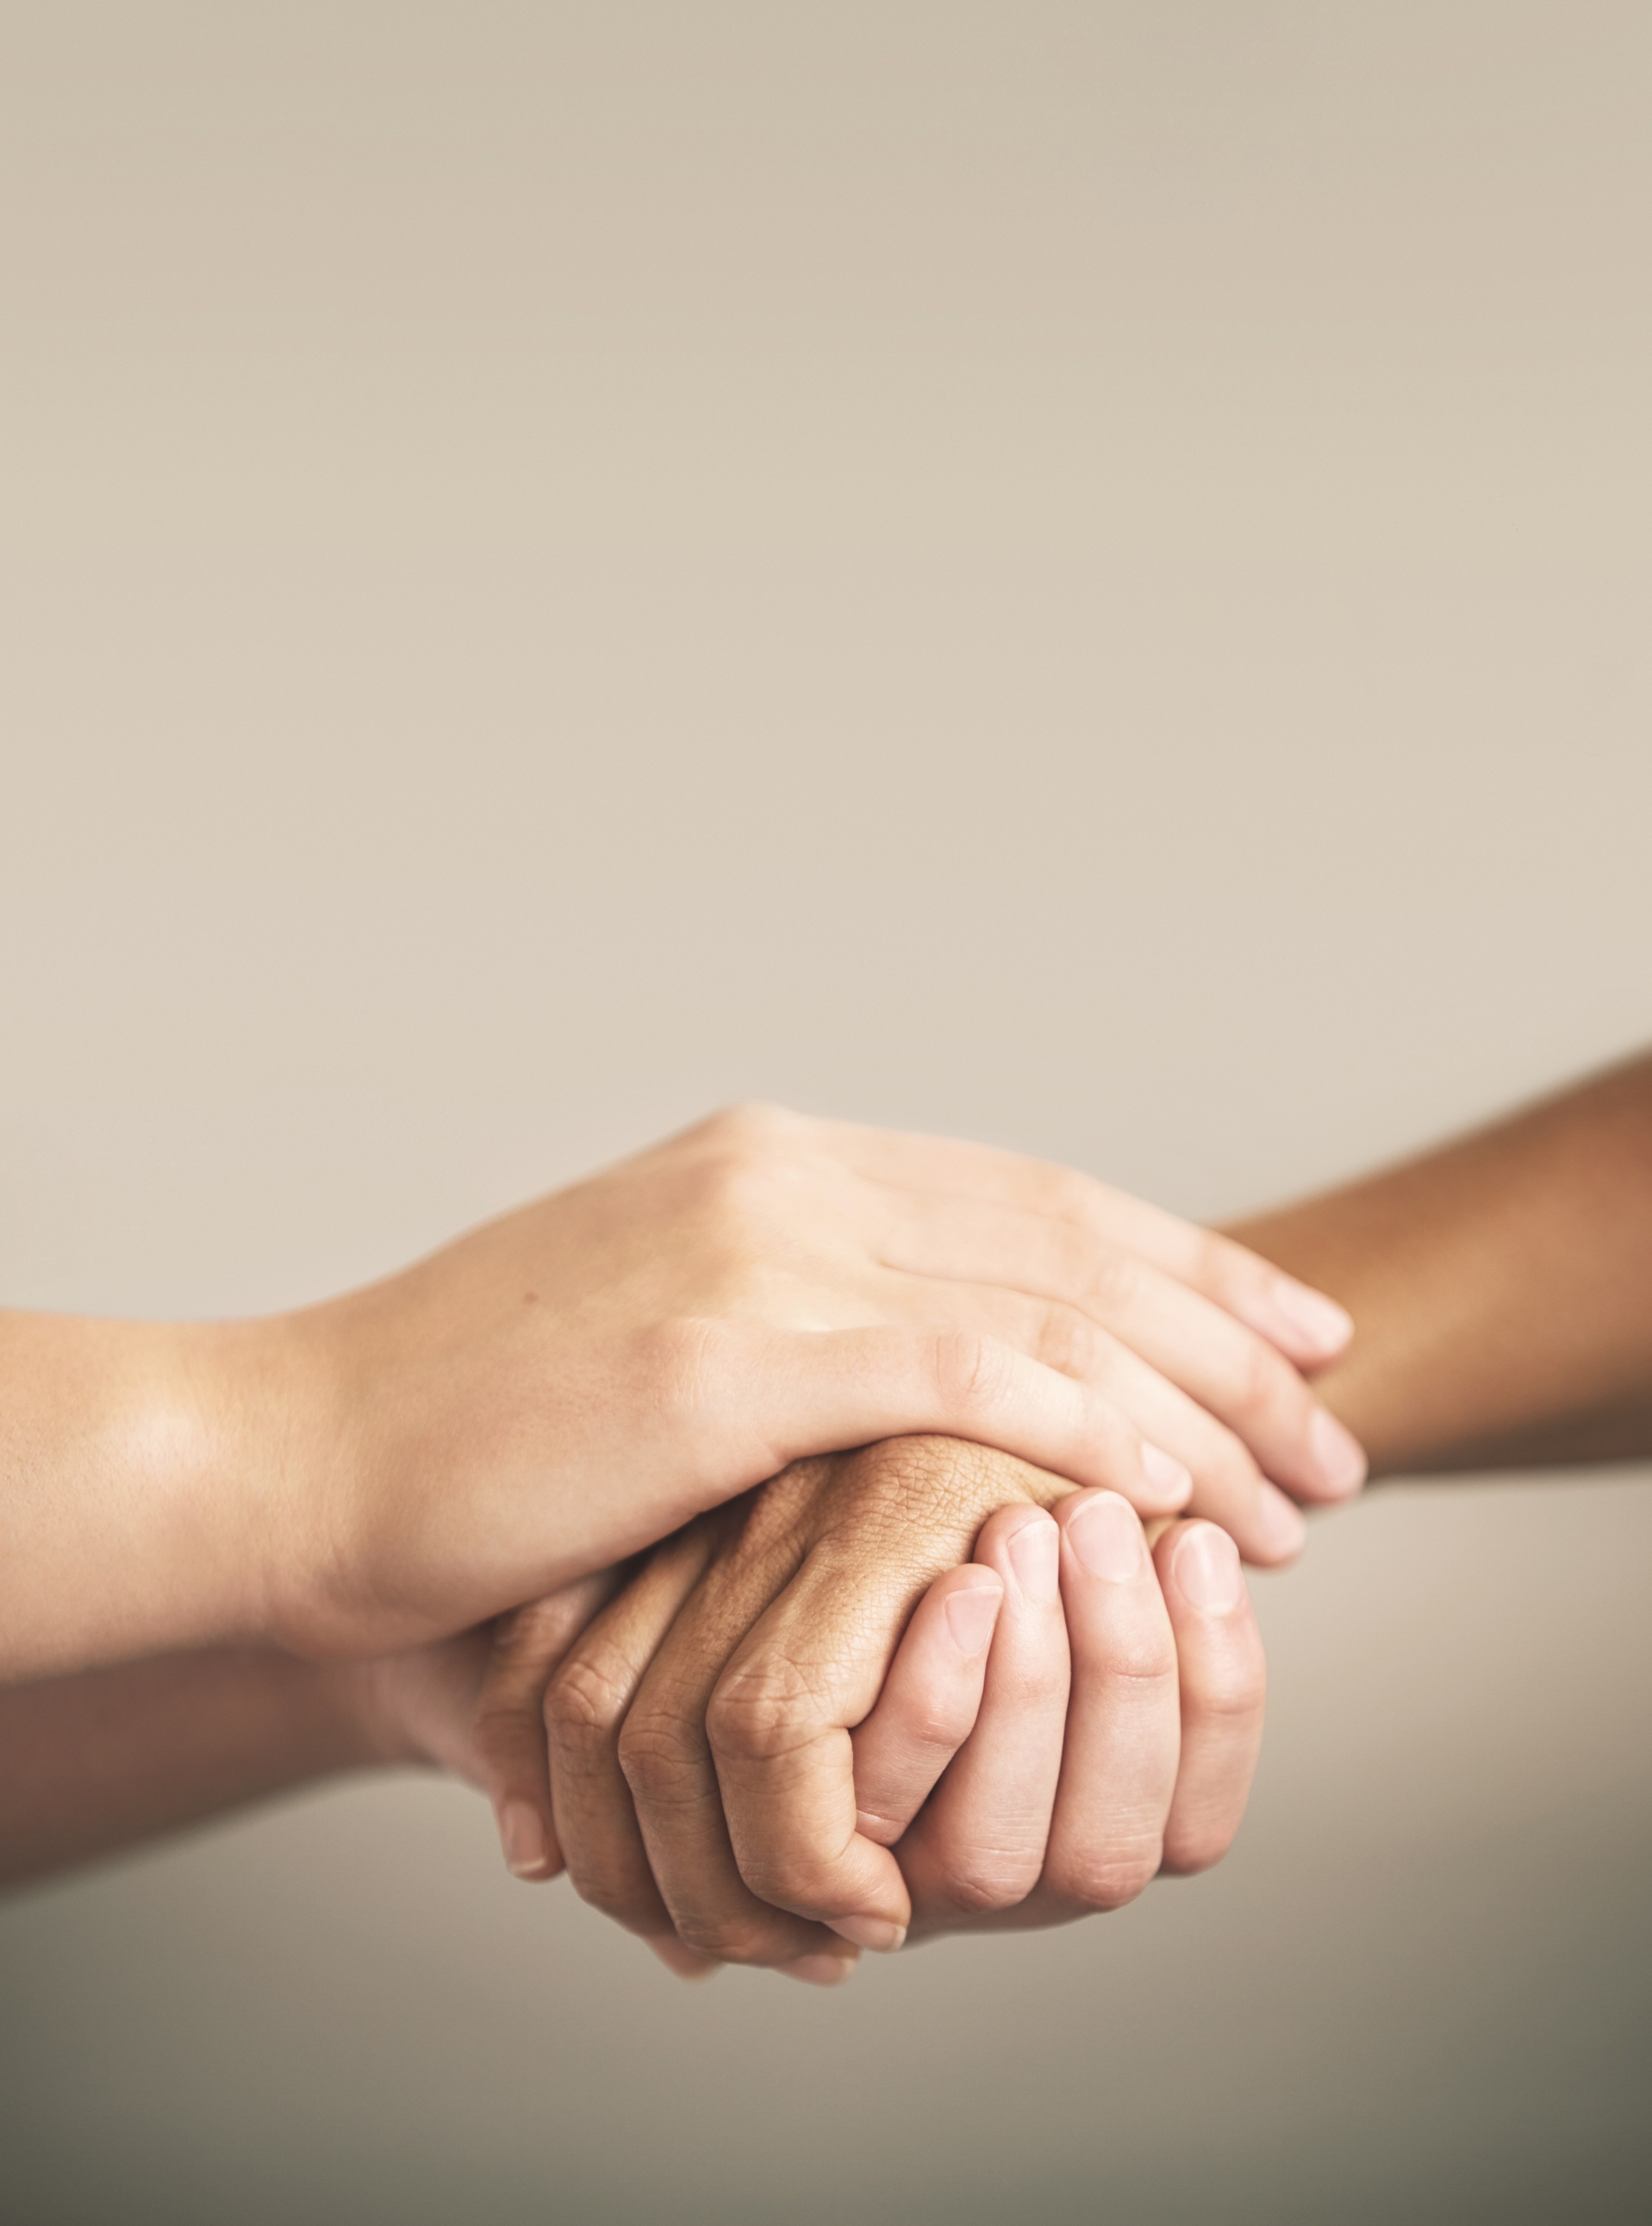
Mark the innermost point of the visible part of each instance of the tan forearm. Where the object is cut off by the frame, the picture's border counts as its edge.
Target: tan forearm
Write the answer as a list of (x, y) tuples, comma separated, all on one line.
[(99, 1761), (1501, 1285)]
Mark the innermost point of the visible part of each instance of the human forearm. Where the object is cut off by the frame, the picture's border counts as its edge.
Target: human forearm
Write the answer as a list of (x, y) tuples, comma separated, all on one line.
[(1502, 1287), (141, 1487), (110, 1756), (561, 1388)]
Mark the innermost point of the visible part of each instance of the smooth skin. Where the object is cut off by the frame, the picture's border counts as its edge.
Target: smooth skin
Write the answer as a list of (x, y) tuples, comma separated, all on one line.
[(1503, 1286), (570, 1384), (107, 1759)]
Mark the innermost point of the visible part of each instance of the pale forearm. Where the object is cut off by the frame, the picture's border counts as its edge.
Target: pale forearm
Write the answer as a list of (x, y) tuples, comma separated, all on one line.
[(139, 1484), (109, 1757), (563, 1387), (1501, 1286)]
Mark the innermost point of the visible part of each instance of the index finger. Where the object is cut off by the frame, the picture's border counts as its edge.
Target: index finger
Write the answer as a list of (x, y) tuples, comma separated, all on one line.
[(509, 1730), (1305, 1325), (930, 1700), (1224, 1690), (781, 1726)]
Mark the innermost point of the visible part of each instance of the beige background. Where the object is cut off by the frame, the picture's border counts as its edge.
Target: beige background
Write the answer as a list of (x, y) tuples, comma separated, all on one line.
[(1073, 574)]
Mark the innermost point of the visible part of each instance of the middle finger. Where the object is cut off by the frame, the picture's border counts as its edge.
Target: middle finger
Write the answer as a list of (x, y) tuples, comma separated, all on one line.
[(1123, 1734), (1227, 1367), (979, 1845)]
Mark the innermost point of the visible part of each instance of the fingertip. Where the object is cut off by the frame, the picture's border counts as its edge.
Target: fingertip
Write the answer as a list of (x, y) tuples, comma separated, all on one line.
[(881, 1934), (530, 1852), (822, 1969), (1338, 1455), (971, 1611), (1034, 1551), (1308, 1324), (1105, 1534), (1205, 1569), (1279, 1533), (679, 1958)]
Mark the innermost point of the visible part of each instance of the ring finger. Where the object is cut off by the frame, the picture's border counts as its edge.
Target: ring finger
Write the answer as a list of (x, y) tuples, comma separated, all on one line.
[(1123, 1734), (1227, 1485)]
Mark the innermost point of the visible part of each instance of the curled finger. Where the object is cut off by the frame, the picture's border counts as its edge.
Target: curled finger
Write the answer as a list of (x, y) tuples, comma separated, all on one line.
[(509, 1730), (930, 1700), (1224, 1689)]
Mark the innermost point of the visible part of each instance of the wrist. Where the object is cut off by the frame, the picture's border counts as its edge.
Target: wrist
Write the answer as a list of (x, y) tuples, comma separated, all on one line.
[(130, 1522), (368, 1701), (417, 1709), (273, 1435)]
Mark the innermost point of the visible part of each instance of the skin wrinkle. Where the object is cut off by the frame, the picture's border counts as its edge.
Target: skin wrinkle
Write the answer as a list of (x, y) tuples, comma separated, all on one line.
[(881, 1501), (586, 1698), (1397, 1250), (754, 1702), (546, 1394)]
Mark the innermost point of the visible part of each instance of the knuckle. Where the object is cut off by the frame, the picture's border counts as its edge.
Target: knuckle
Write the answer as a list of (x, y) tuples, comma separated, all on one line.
[(939, 1727), (1117, 1281), (1111, 1875), (1198, 1845), (499, 1735), (660, 1758), (749, 1158), (630, 1902), (1231, 1700), (1084, 1204), (733, 1937), (752, 1123), (1267, 1393), (584, 1707), (973, 1374), (1039, 1686), (1140, 1665), (1070, 1342), (790, 1880), (986, 1880), (1225, 1467), (737, 1185), (1211, 1260), (761, 1710)]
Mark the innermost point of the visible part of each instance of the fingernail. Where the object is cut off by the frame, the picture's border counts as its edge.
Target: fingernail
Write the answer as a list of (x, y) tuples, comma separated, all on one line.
[(1206, 1568), (678, 1957), (522, 1834), (1106, 1538), (822, 1970), (1283, 1529), (1326, 1326), (1338, 1456), (971, 1616), (876, 1933), (1172, 1483), (1035, 1556)]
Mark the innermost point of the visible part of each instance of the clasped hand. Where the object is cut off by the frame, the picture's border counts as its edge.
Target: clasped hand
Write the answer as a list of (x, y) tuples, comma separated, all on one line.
[(928, 1684), (774, 1699), (818, 1719), (574, 1382)]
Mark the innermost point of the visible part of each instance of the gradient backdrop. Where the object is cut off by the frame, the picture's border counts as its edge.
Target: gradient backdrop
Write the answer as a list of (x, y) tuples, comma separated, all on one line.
[(1075, 574)]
